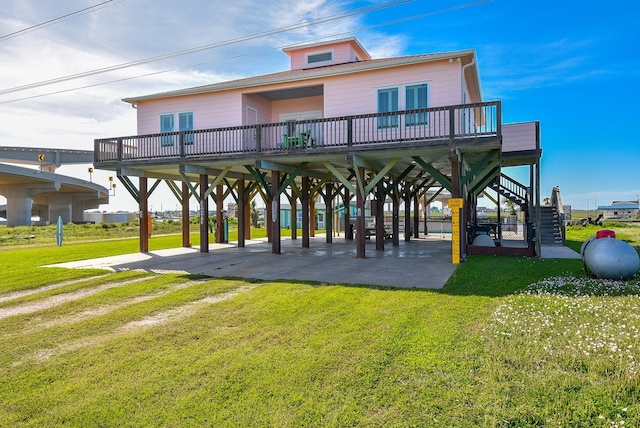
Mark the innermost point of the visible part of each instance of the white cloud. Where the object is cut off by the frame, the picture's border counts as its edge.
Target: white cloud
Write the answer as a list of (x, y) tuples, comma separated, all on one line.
[(384, 45), (130, 30)]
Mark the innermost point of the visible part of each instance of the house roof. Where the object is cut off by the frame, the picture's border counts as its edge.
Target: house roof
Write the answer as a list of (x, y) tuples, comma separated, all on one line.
[(617, 207), (312, 73), (352, 40)]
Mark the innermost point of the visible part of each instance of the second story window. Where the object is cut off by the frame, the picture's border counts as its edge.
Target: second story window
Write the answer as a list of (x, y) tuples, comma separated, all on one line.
[(167, 124), (185, 123), (387, 102), (320, 58), (417, 98)]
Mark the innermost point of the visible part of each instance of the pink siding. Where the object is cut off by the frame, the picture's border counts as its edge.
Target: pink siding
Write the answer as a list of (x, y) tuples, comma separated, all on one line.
[(357, 94), (344, 95), (295, 106), (256, 102), (343, 51), (520, 136), (209, 110)]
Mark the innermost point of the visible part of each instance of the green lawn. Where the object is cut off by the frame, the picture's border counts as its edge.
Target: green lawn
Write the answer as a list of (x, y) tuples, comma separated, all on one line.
[(509, 342)]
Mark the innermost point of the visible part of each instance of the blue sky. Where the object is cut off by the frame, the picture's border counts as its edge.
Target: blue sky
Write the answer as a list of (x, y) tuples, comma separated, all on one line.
[(573, 66)]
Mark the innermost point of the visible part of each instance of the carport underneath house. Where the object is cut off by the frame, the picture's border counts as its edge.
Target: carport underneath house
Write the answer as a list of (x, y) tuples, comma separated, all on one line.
[(462, 151)]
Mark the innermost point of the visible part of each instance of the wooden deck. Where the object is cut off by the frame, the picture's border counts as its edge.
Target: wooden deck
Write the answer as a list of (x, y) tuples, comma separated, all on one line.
[(414, 128), (401, 154)]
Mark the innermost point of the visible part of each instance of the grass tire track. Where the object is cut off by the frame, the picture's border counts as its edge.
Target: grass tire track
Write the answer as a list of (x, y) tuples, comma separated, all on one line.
[(171, 315), (24, 293), (60, 299)]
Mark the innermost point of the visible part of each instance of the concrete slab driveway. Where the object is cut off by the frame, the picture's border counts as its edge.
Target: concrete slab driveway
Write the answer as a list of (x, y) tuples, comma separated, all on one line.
[(421, 263)]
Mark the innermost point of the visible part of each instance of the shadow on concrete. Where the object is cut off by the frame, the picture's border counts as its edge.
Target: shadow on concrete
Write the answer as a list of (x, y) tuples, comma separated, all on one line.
[(421, 263)]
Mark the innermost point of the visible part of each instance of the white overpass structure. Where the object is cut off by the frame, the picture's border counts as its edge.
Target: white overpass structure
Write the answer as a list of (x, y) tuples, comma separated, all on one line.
[(42, 192)]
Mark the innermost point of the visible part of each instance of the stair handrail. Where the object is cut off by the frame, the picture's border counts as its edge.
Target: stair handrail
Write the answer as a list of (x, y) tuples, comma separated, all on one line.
[(514, 187), (556, 202)]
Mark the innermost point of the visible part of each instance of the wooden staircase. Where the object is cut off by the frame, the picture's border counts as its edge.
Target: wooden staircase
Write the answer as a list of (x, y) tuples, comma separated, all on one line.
[(550, 226), (550, 221), (512, 190)]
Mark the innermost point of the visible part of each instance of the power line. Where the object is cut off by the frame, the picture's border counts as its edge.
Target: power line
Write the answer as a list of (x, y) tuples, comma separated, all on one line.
[(58, 19), (365, 9), (387, 23)]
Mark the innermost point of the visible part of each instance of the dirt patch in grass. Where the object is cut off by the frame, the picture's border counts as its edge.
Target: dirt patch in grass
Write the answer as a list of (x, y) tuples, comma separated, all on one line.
[(19, 294), (176, 314), (60, 299), (73, 318)]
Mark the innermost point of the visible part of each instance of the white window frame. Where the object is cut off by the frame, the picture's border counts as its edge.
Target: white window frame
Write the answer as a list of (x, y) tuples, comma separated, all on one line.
[(392, 122), (413, 123), (388, 122), (319, 63), (167, 140), (189, 138)]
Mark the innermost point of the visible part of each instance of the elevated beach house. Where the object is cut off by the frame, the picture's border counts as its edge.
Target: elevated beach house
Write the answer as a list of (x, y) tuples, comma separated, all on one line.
[(338, 124)]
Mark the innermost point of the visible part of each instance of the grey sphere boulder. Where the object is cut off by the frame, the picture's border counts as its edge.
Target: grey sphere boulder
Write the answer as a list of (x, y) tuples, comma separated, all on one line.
[(610, 258)]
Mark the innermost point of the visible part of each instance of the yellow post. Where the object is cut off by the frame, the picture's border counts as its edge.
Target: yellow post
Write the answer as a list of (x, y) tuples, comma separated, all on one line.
[(456, 205)]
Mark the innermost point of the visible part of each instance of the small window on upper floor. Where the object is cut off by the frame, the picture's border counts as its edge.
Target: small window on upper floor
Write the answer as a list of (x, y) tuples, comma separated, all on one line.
[(166, 126), (417, 97), (387, 102), (186, 124), (319, 58)]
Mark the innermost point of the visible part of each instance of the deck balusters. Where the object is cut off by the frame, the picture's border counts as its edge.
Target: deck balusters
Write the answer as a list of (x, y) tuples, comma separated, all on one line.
[(437, 123)]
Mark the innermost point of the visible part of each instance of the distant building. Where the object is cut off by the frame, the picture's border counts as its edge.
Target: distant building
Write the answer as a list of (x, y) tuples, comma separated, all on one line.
[(620, 210), (98, 217)]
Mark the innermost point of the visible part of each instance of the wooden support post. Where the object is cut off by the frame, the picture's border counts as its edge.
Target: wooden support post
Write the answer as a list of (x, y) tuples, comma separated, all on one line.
[(469, 205), (247, 220), (499, 218), (268, 223), (395, 217), (416, 216), (219, 214), (455, 176), (144, 212), (242, 213), (305, 212), (360, 223), (294, 217), (426, 215), (407, 216), (312, 216), (347, 215), (204, 214), (275, 212), (186, 236), (328, 213), (379, 203)]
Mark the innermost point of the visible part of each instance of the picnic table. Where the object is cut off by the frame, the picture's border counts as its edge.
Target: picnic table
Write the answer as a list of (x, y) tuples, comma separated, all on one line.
[(371, 231)]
